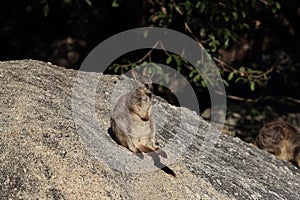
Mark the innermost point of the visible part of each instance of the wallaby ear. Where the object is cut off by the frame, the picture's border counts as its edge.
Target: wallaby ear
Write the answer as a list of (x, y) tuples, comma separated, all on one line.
[(137, 78), (145, 72), (134, 75)]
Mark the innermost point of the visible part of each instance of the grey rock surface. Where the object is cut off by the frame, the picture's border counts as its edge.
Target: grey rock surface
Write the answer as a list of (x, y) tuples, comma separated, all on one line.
[(55, 144)]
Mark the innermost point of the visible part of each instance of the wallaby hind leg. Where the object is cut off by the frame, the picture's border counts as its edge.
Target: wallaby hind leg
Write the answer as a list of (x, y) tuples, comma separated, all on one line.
[(297, 156), (156, 149), (137, 152), (132, 147)]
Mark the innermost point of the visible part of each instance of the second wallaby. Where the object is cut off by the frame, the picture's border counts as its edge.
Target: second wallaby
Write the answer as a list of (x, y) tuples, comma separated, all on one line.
[(281, 139)]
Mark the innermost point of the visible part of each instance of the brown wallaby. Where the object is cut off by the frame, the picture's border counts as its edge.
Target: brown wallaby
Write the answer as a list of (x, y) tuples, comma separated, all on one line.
[(133, 125), (281, 139)]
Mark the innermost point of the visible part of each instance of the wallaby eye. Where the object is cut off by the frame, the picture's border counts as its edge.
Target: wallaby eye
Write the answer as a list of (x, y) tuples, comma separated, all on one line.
[(148, 86)]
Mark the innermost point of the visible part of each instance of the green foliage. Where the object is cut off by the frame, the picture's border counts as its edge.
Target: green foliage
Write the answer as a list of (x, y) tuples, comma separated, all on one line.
[(218, 22), (46, 10), (215, 24), (69, 2), (115, 3), (46, 7)]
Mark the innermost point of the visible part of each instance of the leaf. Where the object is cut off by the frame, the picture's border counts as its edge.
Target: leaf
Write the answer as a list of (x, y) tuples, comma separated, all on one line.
[(46, 10), (188, 5), (235, 15), (226, 43), (156, 66), (126, 68), (225, 83), (169, 60), (246, 26), (252, 86), (244, 14), (133, 65), (116, 69), (198, 63), (197, 77), (177, 60), (115, 4), (191, 74), (237, 79), (68, 2), (213, 43), (88, 2), (230, 76), (167, 78), (259, 72), (249, 70), (203, 82), (144, 63), (242, 71), (226, 18)]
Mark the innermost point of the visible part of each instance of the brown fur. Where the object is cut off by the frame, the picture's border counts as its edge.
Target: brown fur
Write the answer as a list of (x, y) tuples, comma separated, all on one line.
[(133, 125), (281, 139)]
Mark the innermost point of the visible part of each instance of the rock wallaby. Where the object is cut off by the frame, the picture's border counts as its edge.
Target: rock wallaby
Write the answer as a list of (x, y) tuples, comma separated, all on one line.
[(133, 125), (281, 139)]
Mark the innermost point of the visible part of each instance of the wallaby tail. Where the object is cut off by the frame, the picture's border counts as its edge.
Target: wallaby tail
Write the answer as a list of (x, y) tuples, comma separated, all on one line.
[(156, 160)]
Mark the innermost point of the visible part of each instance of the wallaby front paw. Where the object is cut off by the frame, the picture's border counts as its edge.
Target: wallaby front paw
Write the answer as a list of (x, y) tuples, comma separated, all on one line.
[(138, 153)]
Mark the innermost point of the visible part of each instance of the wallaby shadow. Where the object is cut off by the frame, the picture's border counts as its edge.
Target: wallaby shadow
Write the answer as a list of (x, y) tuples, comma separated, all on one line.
[(111, 134)]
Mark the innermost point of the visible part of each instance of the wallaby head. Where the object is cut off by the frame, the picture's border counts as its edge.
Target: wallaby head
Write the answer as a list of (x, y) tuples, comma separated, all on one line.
[(271, 139), (268, 137), (140, 101), (281, 139), (143, 82)]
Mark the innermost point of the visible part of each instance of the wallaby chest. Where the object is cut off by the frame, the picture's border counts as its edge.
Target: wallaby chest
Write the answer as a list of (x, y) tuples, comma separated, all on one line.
[(141, 128)]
